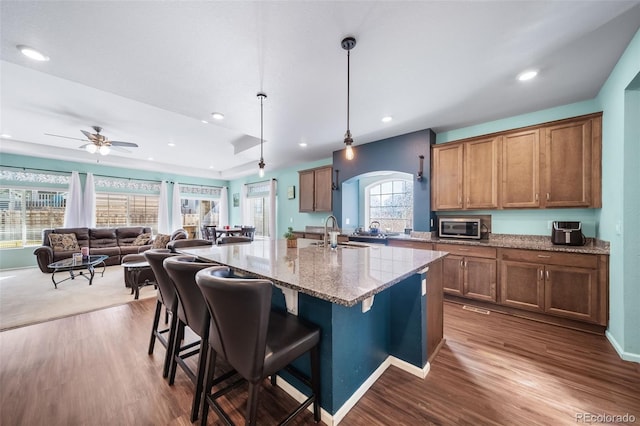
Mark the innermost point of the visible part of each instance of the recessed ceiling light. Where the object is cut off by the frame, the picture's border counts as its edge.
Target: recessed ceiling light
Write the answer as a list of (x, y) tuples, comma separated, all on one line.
[(205, 121), (387, 118), (211, 167), (527, 75), (217, 115), (302, 144), (171, 144), (32, 53), (150, 158), (5, 135)]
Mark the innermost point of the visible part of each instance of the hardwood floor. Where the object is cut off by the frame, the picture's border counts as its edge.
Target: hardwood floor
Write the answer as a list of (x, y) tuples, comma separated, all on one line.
[(94, 369)]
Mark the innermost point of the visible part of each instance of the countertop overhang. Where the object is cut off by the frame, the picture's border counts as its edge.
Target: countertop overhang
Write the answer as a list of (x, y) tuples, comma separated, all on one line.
[(345, 276)]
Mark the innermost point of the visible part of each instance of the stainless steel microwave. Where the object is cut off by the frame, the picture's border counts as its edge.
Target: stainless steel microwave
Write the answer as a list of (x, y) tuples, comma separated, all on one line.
[(459, 227)]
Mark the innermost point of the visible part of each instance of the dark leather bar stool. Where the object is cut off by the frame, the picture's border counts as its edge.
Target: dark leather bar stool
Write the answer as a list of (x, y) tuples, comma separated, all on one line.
[(256, 341), (168, 298), (174, 245), (192, 312)]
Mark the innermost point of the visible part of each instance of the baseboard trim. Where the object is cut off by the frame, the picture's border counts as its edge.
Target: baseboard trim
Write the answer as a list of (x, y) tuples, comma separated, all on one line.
[(627, 356), (335, 419)]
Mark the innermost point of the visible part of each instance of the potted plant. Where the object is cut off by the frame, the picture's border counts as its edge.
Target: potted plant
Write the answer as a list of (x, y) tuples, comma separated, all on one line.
[(292, 240)]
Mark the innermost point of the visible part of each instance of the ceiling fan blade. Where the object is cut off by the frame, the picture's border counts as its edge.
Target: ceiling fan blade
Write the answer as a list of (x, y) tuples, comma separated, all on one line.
[(129, 144), (87, 134), (85, 145), (119, 149), (66, 137)]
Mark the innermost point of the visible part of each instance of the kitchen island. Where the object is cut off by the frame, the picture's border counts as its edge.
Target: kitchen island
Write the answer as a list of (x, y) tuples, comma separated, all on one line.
[(370, 303)]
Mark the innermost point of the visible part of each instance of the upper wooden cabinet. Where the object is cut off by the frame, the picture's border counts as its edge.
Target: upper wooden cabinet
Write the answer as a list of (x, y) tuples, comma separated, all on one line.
[(315, 190), (465, 175), (555, 164)]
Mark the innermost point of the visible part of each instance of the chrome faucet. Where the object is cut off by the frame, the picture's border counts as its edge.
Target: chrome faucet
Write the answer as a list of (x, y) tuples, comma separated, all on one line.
[(325, 240)]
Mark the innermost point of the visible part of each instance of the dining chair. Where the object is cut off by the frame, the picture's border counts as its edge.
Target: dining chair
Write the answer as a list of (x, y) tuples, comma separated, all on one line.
[(255, 341), (168, 298), (209, 233), (192, 313), (248, 231), (234, 239)]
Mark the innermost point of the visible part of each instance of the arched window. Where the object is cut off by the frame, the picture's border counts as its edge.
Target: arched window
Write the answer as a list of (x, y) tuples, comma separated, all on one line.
[(390, 202)]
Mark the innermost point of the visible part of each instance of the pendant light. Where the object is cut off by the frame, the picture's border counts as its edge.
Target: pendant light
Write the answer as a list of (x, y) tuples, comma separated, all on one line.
[(348, 44), (261, 164)]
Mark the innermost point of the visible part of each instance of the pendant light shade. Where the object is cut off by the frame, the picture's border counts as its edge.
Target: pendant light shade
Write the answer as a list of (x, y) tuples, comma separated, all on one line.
[(261, 164), (348, 44)]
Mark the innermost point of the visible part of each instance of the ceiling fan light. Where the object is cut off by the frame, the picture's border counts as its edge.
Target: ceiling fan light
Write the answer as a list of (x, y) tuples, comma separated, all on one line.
[(91, 148), (104, 150)]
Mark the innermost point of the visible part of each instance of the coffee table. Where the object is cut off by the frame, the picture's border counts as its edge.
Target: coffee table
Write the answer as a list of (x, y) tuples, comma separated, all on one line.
[(134, 269), (70, 265)]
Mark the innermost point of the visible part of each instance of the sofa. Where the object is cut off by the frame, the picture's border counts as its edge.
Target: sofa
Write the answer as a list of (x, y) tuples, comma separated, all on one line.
[(113, 242)]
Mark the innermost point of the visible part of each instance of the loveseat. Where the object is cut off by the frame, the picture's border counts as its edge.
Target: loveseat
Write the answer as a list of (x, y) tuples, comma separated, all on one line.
[(113, 242)]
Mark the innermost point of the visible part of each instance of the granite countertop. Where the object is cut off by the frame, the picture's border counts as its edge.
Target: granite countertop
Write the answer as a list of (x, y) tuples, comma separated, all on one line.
[(344, 276), (526, 242)]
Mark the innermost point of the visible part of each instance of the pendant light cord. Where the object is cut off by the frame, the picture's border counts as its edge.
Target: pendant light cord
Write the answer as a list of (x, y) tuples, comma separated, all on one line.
[(348, 84), (261, 127)]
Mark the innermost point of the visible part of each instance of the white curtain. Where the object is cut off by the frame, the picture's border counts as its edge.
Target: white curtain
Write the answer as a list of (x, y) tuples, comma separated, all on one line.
[(223, 208), (245, 205), (273, 234), (73, 214), (90, 201), (164, 226), (176, 209)]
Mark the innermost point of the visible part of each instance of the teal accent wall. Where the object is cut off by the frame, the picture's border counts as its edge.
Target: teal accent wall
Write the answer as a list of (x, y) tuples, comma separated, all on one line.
[(288, 214), (23, 257), (620, 215)]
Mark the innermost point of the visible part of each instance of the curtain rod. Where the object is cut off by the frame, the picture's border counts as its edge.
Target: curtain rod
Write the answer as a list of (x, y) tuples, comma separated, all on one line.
[(34, 169), (261, 181)]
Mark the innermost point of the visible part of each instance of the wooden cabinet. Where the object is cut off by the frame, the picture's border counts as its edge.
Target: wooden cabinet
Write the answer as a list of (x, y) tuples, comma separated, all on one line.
[(481, 160), (465, 175), (469, 271), (570, 159), (423, 245), (521, 169), (446, 175), (551, 165), (561, 284), (315, 192)]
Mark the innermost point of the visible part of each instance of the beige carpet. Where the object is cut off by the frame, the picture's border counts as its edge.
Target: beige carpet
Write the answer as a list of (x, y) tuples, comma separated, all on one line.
[(27, 296)]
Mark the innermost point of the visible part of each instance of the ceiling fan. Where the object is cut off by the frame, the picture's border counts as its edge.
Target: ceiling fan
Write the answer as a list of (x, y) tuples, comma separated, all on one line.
[(99, 143)]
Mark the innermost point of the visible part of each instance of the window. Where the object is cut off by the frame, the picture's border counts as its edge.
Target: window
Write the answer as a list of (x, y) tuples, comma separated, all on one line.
[(258, 207), (25, 213), (200, 206), (390, 203), (114, 210)]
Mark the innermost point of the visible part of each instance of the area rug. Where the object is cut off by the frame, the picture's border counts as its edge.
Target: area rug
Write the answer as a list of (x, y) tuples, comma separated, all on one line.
[(27, 296)]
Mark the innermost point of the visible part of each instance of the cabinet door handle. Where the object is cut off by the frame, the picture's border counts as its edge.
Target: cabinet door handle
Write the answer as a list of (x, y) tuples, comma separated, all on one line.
[(461, 263), (547, 275), (468, 200), (544, 256), (464, 249), (536, 196), (541, 276)]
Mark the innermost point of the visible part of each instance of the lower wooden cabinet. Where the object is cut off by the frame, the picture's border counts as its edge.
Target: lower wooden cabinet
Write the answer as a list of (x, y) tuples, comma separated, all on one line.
[(470, 271), (543, 285), (561, 284)]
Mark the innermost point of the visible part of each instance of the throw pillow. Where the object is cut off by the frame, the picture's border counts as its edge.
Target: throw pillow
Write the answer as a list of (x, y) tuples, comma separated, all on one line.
[(160, 241), (64, 242), (141, 239)]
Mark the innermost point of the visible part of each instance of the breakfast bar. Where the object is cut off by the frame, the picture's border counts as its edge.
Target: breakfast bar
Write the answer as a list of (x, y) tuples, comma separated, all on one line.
[(369, 301)]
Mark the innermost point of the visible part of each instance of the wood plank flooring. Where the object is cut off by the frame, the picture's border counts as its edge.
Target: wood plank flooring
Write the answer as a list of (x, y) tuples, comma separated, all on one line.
[(93, 369)]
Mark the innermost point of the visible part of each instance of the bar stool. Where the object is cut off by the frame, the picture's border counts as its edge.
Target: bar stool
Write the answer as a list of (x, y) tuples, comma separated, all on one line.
[(168, 298), (175, 245), (256, 341), (192, 312)]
